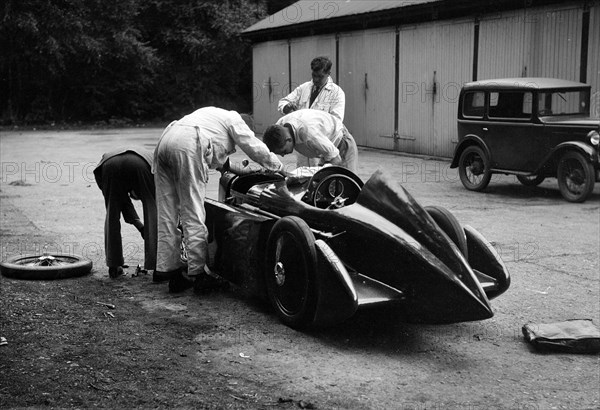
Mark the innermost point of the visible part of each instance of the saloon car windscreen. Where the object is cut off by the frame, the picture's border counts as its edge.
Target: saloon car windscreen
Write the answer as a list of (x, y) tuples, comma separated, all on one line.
[(564, 103)]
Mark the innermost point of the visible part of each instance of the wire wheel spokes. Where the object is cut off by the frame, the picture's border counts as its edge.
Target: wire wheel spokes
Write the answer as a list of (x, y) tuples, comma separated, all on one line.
[(474, 169), (574, 176), (47, 260)]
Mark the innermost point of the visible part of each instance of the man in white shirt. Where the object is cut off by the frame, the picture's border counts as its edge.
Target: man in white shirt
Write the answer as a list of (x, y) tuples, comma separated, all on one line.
[(314, 134), (321, 93), (186, 151)]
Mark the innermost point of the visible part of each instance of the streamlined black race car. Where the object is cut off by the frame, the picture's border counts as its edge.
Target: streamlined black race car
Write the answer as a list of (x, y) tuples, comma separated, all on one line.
[(323, 246)]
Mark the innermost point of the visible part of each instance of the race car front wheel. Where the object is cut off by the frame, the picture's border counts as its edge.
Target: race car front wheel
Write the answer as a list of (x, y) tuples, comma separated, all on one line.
[(291, 264), (46, 266)]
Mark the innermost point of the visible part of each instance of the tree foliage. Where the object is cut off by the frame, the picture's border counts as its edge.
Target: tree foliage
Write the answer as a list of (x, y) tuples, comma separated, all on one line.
[(74, 60)]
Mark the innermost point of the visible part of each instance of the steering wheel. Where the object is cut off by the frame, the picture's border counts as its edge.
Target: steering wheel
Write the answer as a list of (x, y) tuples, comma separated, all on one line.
[(335, 191)]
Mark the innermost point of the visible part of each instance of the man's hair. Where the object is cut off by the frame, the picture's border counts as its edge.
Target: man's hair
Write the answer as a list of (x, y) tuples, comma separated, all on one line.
[(274, 137), (321, 63)]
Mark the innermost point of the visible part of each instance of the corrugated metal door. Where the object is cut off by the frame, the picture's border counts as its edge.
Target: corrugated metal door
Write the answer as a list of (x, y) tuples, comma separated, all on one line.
[(593, 73), (503, 46), (435, 60), (454, 64), (556, 43), (270, 81), (541, 42), (303, 50), (415, 105), (367, 71)]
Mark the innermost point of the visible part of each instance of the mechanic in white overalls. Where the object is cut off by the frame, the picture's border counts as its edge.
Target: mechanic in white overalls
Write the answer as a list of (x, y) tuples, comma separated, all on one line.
[(186, 151), (314, 134)]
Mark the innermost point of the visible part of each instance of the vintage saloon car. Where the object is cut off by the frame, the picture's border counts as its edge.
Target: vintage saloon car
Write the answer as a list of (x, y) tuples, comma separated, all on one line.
[(321, 247), (534, 128)]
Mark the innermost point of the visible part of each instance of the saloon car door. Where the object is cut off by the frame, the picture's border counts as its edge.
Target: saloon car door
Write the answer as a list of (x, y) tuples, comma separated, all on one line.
[(510, 134)]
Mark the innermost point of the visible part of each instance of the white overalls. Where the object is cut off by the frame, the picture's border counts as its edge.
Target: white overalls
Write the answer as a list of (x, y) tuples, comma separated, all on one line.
[(186, 151)]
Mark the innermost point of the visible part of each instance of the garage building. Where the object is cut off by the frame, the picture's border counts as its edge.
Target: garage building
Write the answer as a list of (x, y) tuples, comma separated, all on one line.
[(402, 63)]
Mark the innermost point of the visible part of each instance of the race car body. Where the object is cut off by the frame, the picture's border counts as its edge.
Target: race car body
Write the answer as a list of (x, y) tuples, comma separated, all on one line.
[(324, 246)]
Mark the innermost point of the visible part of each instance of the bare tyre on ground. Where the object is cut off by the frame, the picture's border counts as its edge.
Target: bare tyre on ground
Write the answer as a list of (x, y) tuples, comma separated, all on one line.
[(45, 267)]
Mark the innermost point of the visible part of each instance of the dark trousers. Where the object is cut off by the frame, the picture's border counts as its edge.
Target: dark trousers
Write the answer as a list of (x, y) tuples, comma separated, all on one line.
[(120, 175)]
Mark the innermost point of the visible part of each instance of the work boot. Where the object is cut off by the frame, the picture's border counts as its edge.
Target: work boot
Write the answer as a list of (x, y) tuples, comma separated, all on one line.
[(178, 283), (160, 276), (206, 283), (115, 271)]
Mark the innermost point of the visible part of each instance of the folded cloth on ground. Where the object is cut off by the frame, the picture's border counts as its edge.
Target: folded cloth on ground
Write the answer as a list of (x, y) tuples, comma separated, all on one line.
[(571, 336)]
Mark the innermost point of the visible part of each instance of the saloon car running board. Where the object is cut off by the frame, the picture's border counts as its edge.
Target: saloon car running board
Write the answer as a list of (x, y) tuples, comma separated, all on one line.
[(371, 292)]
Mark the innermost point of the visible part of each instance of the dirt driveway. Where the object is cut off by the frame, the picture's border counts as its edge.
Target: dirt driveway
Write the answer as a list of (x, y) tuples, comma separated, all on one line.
[(226, 350)]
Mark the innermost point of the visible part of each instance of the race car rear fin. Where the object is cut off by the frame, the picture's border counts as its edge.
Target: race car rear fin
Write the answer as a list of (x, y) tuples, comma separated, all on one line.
[(371, 292)]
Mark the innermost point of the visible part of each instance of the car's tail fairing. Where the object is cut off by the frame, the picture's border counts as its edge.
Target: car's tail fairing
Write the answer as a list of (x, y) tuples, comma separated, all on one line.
[(413, 255)]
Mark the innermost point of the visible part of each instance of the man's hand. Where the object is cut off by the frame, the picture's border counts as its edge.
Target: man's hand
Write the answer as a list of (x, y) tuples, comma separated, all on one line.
[(335, 161), (289, 108)]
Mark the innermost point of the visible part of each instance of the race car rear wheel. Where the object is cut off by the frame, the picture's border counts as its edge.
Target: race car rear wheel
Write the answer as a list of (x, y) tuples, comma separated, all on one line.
[(450, 225), (291, 264)]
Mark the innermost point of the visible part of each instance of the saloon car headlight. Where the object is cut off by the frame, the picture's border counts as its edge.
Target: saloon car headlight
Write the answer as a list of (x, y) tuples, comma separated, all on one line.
[(594, 137)]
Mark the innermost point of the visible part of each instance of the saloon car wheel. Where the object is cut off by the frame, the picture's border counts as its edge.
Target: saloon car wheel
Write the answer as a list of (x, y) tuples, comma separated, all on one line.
[(575, 177), (531, 180), (451, 227), (474, 169), (47, 266), (291, 264)]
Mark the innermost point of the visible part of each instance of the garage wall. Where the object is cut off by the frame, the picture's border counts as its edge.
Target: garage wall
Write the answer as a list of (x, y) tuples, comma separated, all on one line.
[(544, 41)]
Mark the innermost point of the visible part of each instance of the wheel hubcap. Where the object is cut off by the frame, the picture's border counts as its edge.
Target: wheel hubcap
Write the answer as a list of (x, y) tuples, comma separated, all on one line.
[(577, 177), (476, 167), (279, 274), (46, 260)]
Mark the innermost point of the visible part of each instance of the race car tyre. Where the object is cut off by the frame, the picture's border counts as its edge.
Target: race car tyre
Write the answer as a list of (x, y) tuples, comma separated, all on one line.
[(44, 267), (451, 227), (575, 177), (474, 169), (531, 180), (291, 263)]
